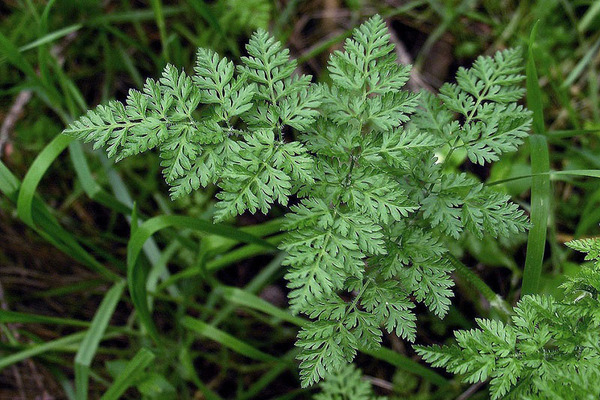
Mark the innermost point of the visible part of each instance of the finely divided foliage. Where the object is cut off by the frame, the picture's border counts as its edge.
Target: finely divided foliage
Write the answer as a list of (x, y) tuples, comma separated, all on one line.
[(376, 207), (550, 351), (346, 383)]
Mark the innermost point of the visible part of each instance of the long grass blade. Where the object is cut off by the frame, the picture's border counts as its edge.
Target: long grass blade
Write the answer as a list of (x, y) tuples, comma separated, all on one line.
[(244, 299), (12, 317), (540, 209), (159, 15), (534, 92), (89, 345), (540, 184), (130, 375), (34, 175), (581, 65), (50, 37), (41, 348), (226, 339)]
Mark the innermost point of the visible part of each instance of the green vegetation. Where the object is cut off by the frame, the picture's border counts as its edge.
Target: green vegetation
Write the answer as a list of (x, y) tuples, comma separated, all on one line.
[(549, 351), (292, 199)]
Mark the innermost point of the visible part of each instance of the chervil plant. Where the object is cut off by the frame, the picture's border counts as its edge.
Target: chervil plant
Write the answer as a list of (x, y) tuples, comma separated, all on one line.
[(346, 383), (361, 160), (550, 349)]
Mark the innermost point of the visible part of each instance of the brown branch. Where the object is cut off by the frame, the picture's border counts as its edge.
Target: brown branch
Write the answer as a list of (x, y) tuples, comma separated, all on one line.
[(15, 112)]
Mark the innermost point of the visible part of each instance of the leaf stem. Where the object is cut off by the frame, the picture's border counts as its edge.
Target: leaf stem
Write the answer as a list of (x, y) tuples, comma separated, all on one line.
[(496, 301)]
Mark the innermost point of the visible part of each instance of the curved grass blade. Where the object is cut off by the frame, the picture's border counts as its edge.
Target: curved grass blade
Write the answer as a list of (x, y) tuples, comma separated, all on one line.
[(48, 228), (34, 175)]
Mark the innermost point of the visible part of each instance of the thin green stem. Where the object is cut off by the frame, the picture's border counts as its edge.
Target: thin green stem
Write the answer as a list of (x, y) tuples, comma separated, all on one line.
[(233, 256), (496, 301)]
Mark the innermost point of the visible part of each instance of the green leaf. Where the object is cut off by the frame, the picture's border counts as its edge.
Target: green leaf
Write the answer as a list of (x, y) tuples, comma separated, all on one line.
[(326, 346), (131, 374)]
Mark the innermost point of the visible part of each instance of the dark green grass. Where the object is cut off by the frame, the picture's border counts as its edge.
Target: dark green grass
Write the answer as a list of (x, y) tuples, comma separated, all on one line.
[(194, 321)]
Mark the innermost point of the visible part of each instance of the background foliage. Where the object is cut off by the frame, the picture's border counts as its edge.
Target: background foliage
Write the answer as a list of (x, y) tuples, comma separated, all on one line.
[(67, 323)]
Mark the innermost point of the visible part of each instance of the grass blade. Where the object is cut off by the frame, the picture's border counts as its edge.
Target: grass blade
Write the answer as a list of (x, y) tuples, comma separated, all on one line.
[(233, 256), (204, 11), (90, 187), (34, 175), (254, 286), (245, 299), (41, 348), (270, 376), (139, 15), (150, 248), (406, 364), (48, 227), (478, 285), (130, 375), (581, 65), (534, 92), (159, 15), (136, 276), (50, 37), (540, 207), (89, 345), (88, 183), (552, 175), (14, 56), (226, 339), (540, 182), (589, 16), (11, 317)]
